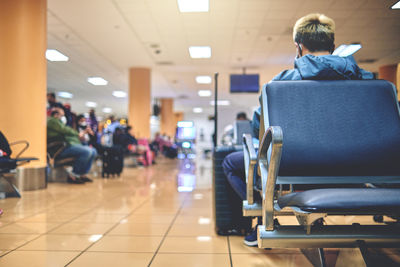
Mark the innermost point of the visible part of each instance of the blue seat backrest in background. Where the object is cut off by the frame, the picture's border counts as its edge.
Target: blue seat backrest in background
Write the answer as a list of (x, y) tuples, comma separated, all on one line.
[(346, 128), (239, 128)]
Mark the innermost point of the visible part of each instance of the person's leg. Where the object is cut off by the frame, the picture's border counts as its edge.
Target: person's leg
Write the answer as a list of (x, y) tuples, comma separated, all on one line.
[(92, 157), (234, 169), (83, 155), (233, 166)]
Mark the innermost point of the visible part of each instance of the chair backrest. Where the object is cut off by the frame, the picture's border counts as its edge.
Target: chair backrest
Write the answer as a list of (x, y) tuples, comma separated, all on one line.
[(241, 127), (346, 128)]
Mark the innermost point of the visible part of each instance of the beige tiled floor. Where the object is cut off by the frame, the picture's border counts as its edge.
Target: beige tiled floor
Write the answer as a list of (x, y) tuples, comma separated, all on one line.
[(139, 219)]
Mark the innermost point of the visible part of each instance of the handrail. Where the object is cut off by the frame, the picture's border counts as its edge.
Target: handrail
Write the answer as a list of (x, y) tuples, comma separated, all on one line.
[(269, 171), (250, 159)]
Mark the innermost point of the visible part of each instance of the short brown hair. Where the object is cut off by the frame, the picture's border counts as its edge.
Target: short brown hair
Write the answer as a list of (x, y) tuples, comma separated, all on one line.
[(316, 32)]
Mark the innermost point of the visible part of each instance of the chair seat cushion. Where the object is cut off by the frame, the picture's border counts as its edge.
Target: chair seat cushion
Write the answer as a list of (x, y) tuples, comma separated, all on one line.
[(345, 200), (7, 164)]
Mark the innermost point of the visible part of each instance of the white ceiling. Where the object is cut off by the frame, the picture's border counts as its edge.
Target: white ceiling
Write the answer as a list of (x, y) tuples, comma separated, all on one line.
[(107, 37)]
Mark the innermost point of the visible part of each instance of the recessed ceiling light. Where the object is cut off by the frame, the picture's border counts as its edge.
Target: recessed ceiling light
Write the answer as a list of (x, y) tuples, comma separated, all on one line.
[(197, 110), (200, 51), (396, 6), (203, 79), (119, 94), (193, 5), (346, 50), (55, 55), (65, 95), (91, 104), (220, 103), (204, 93), (97, 81), (107, 110)]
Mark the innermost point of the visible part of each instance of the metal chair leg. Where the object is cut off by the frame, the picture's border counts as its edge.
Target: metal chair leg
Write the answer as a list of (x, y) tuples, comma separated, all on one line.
[(315, 255)]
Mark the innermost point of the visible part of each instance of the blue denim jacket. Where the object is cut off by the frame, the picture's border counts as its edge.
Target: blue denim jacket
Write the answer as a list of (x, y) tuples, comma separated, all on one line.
[(309, 67)]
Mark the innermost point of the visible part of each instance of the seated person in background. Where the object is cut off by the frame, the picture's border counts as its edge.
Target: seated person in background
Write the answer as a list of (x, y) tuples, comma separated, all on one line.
[(120, 138), (313, 37), (71, 116), (84, 155), (85, 132), (169, 148), (125, 139), (52, 103), (156, 145), (227, 137), (113, 125)]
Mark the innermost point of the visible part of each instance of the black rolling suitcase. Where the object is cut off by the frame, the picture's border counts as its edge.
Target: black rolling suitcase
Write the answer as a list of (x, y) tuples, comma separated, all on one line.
[(113, 161), (227, 204)]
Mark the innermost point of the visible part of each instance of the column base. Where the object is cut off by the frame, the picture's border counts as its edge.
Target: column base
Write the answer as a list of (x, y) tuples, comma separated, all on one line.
[(29, 179)]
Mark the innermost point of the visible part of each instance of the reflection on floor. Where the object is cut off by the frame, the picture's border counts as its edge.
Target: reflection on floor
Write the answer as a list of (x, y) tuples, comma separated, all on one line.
[(154, 216)]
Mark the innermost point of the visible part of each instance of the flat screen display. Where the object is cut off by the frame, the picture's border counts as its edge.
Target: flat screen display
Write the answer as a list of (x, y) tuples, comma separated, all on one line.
[(244, 83), (186, 133)]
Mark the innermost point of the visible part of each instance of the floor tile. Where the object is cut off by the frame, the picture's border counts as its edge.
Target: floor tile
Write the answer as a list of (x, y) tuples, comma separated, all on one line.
[(140, 229), (12, 241), (237, 246), (83, 228), (150, 218), (127, 244), (50, 217), (272, 260), (8, 217), (348, 220), (3, 251), (199, 244), (156, 210), (192, 219), (27, 228), (192, 230), (61, 242), (99, 218), (191, 260), (102, 259), (37, 258), (207, 212), (138, 209), (114, 210)]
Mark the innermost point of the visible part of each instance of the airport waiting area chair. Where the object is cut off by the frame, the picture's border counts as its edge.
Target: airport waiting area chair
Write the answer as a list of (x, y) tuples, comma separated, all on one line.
[(56, 164), (9, 166), (240, 128), (339, 142)]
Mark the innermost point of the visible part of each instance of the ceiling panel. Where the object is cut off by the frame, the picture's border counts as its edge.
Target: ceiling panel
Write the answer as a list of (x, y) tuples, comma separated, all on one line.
[(107, 37)]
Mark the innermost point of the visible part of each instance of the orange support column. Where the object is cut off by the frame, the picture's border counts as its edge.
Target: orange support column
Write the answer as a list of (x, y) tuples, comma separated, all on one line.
[(23, 77), (391, 74), (140, 101), (178, 117), (167, 124)]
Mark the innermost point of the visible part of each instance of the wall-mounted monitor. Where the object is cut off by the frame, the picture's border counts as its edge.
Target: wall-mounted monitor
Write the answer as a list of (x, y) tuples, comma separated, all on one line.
[(185, 130), (244, 83)]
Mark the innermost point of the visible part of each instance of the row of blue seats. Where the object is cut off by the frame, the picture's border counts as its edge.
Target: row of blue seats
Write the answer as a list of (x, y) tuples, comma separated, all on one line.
[(340, 140)]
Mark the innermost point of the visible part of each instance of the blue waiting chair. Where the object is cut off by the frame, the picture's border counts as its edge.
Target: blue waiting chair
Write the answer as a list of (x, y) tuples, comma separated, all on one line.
[(320, 133)]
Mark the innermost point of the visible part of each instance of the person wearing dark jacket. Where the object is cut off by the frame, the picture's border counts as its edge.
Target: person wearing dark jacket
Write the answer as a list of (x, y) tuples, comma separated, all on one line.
[(314, 37)]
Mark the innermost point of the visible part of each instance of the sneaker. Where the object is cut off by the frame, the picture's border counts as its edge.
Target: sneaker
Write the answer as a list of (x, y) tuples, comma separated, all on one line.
[(74, 180), (251, 239), (86, 179)]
